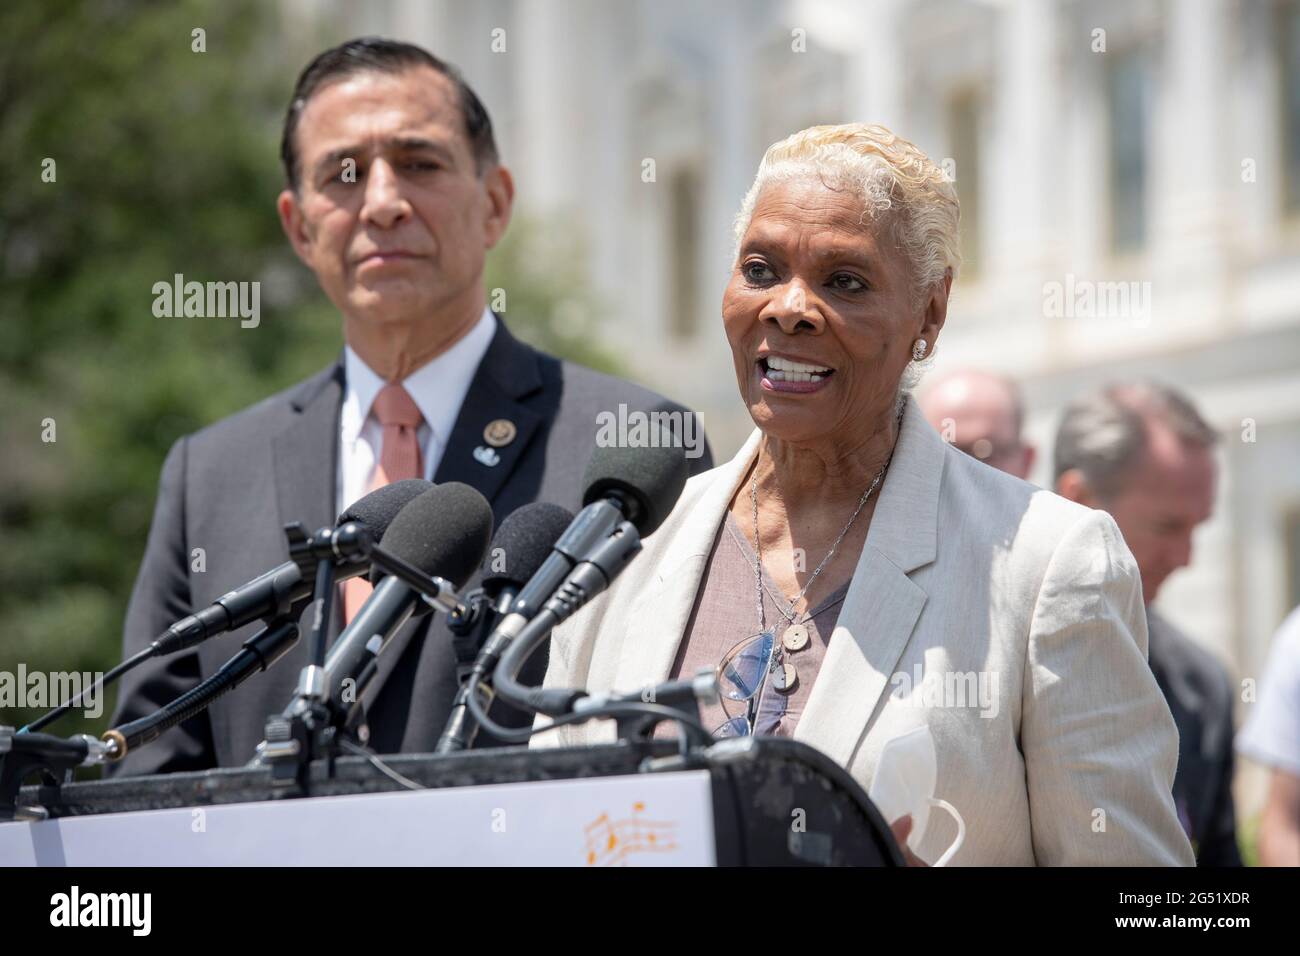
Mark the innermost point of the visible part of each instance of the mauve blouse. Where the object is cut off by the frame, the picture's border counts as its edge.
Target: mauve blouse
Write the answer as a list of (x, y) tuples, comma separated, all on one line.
[(726, 614)]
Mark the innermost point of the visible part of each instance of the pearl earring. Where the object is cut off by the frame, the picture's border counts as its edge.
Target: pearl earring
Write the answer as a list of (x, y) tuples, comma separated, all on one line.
[(918, 350)]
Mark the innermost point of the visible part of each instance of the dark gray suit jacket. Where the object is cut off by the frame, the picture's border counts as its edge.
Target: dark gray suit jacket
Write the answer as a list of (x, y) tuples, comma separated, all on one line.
[(231, 487), (1199, 693)]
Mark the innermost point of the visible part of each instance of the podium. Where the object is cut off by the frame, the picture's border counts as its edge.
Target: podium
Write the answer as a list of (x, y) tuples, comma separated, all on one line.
[(747, 801)]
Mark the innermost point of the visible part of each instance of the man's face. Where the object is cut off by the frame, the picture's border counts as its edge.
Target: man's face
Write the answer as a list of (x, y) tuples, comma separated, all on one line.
[(977, 415), (1168, 493), (391, 213)]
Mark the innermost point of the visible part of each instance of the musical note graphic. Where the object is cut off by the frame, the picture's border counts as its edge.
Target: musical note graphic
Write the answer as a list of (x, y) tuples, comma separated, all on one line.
[(611, 842)]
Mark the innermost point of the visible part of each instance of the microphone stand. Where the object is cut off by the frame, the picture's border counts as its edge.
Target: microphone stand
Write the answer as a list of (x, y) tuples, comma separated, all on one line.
[(23, 754), (310, 727), (304, 730), (462, 728), (258, 653), (277, 585), (500, 660), (294, 738), (589, 577)]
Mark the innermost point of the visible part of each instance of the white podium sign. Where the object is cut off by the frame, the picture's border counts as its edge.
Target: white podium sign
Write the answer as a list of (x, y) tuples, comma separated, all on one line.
[(635, 820)]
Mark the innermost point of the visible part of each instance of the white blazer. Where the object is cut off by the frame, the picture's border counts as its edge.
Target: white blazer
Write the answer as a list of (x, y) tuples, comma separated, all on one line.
[(1069, 757)]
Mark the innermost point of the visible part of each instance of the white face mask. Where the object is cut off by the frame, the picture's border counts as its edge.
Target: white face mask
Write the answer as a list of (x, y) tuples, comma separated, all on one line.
[(904, 783)]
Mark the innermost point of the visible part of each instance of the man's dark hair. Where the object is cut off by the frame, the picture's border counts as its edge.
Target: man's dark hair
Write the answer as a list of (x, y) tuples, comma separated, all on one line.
[(376, 54)]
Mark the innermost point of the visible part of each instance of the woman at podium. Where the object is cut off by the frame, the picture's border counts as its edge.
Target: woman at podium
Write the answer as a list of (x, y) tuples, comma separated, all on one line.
[(853, 578)]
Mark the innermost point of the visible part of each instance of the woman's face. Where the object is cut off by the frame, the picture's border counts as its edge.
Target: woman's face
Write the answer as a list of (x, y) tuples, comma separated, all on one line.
[(818, 285)]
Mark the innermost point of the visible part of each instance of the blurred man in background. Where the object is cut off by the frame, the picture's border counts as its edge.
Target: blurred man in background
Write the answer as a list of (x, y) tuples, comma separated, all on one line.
[(1272, 737), (1143, 453), (981, 414)]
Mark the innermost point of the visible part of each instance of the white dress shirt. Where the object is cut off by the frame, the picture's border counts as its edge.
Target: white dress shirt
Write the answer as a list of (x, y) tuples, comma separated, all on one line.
[(1271, 735), (438, 388)]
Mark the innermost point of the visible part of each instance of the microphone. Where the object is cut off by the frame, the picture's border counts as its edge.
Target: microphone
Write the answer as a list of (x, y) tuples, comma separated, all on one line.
[(279, 592), (523, 542), (283, 589), (444, 533), (629, 492), (378, 509), (639, 485), (591, 576), (644, 483)]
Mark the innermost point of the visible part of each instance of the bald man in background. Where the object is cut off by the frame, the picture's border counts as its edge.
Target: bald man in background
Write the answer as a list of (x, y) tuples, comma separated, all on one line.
[(981, 414)]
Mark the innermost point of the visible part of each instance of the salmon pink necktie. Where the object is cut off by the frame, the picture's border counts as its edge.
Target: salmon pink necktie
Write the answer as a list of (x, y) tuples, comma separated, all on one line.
[(399, 458)]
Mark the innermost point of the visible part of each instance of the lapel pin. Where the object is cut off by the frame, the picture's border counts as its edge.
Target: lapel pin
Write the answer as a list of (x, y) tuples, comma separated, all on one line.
[(486, 456), (500, 432)]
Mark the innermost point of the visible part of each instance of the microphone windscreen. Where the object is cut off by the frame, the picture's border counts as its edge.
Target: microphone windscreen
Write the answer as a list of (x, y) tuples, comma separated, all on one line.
[(522, 543), (377, 510), (649, 478), (443, 532)]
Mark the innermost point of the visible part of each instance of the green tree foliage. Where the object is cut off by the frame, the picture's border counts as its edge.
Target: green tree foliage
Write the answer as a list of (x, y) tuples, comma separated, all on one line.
[(165, 161)]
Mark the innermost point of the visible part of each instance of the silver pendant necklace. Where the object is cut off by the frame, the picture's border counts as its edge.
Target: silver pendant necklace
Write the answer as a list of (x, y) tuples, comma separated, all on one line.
[(784, 674)]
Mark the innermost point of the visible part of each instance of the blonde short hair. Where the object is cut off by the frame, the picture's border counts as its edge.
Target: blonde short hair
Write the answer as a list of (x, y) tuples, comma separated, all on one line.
[(895, 179)]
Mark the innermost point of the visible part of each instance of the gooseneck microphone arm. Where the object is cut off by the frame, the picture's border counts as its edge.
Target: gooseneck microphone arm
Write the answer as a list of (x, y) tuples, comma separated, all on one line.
[(461, 726), (597, 521), (444, 530), (281, 589), (674, 700), (273, 641), (275, 593), (525, 541), (257, 654), (588, 578)]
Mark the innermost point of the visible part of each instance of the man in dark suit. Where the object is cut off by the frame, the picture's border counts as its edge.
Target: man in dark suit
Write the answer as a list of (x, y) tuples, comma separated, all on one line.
[(1199, 693), (394, 195), (1142, 452)]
